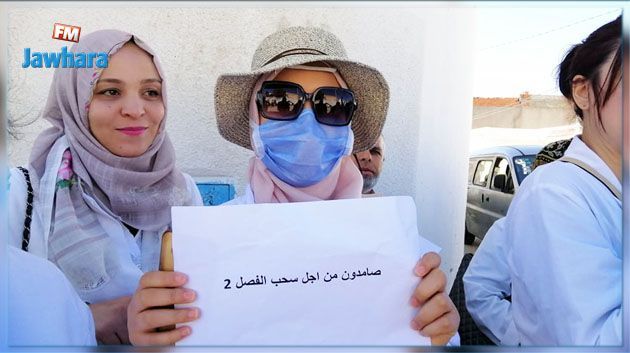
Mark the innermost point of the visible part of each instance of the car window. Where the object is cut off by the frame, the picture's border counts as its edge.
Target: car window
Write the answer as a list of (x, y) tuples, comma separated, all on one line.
[(523, 166), (502, 167), (482, 173)]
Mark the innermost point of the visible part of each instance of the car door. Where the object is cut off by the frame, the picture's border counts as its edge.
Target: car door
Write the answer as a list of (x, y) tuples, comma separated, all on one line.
[(498, 198), (476, 216)]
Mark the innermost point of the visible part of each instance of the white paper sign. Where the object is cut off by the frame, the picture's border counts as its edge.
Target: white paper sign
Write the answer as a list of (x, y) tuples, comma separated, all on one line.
[(312, 273)]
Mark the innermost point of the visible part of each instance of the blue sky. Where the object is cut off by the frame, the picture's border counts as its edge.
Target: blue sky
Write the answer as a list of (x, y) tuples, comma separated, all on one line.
[(519, 46)]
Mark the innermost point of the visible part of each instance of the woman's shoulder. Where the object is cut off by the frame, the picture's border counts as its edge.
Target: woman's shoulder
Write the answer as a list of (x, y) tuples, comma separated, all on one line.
[(546, 190), (17, 179), (193, 190), (189, 180), (563, 191), (560, 177), (18, 191)]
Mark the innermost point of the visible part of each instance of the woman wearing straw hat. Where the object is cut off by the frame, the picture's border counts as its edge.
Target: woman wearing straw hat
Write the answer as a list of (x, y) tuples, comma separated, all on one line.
[(294, 110), (100, 183)]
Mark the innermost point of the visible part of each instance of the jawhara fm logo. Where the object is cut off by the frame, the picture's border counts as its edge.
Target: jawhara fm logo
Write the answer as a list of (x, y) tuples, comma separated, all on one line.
[(64, 58)]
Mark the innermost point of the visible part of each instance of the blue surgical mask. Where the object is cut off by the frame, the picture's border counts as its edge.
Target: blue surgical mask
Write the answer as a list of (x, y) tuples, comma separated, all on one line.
[(301, 152)]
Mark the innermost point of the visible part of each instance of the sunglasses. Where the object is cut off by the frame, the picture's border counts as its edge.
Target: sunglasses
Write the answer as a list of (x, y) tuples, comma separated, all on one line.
[(280, 100)]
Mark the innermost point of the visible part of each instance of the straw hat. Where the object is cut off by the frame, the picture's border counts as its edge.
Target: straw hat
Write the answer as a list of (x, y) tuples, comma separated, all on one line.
[(296, 46)]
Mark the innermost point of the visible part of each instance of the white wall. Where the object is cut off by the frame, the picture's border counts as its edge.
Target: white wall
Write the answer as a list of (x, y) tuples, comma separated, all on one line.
[(423, 51), (444, 116)]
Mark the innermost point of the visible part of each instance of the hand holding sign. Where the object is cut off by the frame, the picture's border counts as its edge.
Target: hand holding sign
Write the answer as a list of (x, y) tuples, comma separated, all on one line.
[(151, 313), (159, 289), (438, 317), (276, 262), (142, 327)]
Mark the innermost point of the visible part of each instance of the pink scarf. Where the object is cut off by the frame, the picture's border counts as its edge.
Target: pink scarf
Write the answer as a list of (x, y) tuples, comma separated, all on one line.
[(344, 182)]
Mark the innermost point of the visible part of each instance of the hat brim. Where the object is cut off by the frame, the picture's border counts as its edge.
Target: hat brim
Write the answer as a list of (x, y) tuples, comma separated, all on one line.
[(233, 92)]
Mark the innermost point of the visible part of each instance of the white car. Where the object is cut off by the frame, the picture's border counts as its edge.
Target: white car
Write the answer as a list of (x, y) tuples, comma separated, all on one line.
[(494, 175)]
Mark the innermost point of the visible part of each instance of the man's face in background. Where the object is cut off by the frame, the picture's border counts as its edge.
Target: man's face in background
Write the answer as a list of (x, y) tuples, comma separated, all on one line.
[(370, 163)]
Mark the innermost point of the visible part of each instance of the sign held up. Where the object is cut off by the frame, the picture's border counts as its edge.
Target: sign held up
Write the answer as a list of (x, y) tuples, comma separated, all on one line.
[(313, 273)]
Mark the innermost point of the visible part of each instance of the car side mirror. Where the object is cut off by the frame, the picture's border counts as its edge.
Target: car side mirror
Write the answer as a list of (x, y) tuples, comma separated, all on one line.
[(499, 182)]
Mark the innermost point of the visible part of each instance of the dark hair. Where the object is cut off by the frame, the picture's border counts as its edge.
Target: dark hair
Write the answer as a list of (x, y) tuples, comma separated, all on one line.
[(586, 59)]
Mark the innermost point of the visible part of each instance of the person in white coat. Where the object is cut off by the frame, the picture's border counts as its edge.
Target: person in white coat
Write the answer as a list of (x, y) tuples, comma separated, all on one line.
[(44, 309), (294, 111), (558, 253), (95, 198)]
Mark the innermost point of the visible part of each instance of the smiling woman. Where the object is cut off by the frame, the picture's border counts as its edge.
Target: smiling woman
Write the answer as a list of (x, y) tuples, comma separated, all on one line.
[(127, 108), (101, 181)]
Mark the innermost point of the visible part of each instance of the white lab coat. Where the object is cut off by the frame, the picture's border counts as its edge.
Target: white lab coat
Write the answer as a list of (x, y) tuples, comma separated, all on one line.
[(559, 248), (43, 308), (486, 285), (136, 255)]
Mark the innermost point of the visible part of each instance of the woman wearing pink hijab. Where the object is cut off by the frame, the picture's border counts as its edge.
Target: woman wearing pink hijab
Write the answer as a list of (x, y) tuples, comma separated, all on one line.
[(294, 110), (96, 196)]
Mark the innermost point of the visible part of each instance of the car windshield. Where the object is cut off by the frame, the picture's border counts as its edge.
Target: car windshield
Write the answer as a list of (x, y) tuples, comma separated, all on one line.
[(523, 166)]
